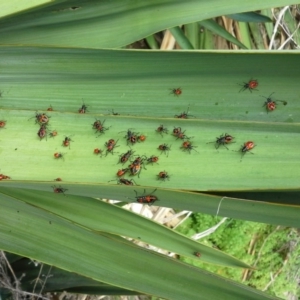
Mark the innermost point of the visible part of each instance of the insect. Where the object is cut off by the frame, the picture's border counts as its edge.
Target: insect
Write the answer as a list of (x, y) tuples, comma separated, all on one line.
[(99, 126), (148, 199), (164, 148), (113, 113), (2, 123), (163, 176), (248, 146), (125, 156), (187, 146), (131, 137), (66, 142), (110, 146), (271, 104), (139, 160), (152, 159), (50, 108), (98, 151), (176, 130), (135, 167), (176, 91), (223, 140), (183, 115), (42, 132), (3, 177), (83, 109), (251, 85), (53, 133), (125, 181), (58, 179), (198, 254), (122, 172), (180, 134), (58, 155), (161, 129), (41, 118), (141, 138), (59, 190)]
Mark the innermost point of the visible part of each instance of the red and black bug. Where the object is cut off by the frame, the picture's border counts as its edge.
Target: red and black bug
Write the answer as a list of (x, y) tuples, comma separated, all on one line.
[(271, 104), (67, 142), (42, 132), (164, 148), (4, 177), (99, 126), (131, 137), (152, 159), (98, 151), (251, 85), (2, 123), (180, 134), (139, 160), (141, 138), (83, 109), (59, 190), (223, 140), (135, 170), (161, 129), (58, 179), (248, 146), (187, 146), (163, 176), (122, 172), (146, 199), (184, 115), (136, 166), (198, 254), (176, 91), (125, 181), (41, 119), (176, 131), (125, 156), (110, 146), (58, 155), (53, 133)]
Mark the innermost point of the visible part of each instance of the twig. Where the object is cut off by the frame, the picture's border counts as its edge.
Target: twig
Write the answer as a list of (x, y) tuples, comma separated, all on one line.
[(280, 15)]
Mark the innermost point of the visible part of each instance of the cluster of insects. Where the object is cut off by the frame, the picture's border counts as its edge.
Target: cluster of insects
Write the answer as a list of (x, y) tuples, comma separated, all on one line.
[(135, 166), (270, 104), (136, 163)]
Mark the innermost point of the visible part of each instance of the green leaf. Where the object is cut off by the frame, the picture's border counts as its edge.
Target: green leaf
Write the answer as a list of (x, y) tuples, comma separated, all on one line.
[(15, 6), (61, 242), (218, 29), (221, 204), (55, 279), (250, 17), (109, 24), (134, 86), (102, 217)]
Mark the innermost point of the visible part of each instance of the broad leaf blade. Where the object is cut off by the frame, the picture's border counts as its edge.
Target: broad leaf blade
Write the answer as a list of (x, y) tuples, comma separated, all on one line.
[(110, 24), (103, 217), (58, 242)]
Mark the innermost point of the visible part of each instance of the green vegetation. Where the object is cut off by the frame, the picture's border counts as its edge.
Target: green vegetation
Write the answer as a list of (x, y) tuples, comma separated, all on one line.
[(273, 252), (58, 54)]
